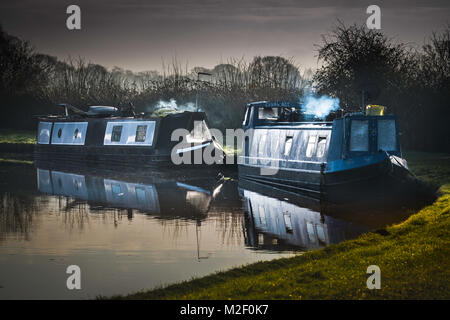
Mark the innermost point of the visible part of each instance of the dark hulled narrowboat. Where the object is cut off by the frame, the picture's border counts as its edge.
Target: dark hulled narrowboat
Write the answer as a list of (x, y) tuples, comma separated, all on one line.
[(111, 136), (354, 155)]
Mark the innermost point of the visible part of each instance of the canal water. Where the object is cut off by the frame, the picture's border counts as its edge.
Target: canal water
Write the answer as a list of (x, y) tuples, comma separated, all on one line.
[(133, 231)]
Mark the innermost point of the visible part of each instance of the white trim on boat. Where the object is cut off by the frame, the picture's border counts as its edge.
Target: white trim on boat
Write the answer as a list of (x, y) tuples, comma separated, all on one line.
[(193, 148)]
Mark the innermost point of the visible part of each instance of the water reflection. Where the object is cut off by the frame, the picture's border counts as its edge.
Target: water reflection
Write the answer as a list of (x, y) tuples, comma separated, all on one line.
[(17, 213), (170, 199), (284, 221), (16, 216), (143, 229)]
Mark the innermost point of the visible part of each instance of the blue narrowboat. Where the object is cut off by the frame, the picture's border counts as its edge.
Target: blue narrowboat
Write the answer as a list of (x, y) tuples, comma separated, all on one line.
[(343, 159)]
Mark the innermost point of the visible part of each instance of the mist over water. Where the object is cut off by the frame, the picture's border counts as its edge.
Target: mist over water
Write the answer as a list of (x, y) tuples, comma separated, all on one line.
[(319, 106)]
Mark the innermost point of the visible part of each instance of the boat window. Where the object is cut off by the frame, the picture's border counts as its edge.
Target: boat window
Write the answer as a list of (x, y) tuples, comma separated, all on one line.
[(262, 145), (44, 132), (321, 147), (320, 233), (287, 222), (247, 146), (311, 145), (290, 114), (288, 145), (116, 133), (77, 184), (116, 190), (75, 134), (387, 136), (359, 135), (59, 132), (246, 117), (140, 195), (262, 215), (141, 131), (268, 113), (311, 232)]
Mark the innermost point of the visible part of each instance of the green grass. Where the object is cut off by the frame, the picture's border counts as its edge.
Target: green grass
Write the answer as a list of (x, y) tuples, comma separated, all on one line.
[(17, 136), (15, 161), (414, 258)]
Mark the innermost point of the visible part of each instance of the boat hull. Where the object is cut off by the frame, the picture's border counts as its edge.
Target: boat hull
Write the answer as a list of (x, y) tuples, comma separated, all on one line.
[(138, 157), (306, 182), (385, 180)]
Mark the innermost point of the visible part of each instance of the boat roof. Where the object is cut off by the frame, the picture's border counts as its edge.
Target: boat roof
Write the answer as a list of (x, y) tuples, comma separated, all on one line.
[(297, 125), (139, 116)]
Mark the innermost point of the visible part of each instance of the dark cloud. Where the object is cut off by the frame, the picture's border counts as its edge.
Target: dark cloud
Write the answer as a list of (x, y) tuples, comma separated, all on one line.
[(139, 34)]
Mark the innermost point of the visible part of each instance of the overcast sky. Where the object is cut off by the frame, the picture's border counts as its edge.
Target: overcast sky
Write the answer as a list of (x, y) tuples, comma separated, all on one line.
[(138, 34)]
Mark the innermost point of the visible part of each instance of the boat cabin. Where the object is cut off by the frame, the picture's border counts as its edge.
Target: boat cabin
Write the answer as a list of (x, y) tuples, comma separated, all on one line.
[(352, 135), (300, 148)]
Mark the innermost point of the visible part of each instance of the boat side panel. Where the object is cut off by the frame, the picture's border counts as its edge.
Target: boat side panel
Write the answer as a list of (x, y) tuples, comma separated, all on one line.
[(69, 133), (288, 148), (129, 131), (44, 132), (95, 152)]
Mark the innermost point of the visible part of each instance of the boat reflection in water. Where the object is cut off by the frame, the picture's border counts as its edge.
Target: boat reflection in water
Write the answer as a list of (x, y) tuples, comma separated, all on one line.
[(168, 199), (181, 224), (280, 220), (274, 220)]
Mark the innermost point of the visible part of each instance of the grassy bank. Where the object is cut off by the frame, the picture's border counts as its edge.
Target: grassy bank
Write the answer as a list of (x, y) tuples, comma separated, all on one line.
[(414, 258), (17, 137)]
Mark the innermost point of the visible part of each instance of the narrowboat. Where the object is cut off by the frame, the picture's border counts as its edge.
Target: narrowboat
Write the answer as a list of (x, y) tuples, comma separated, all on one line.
[(106, 135), (353, 156)]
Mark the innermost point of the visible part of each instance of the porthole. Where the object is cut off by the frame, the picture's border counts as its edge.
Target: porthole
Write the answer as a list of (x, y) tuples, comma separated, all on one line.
[(59, 133), (75, 134)]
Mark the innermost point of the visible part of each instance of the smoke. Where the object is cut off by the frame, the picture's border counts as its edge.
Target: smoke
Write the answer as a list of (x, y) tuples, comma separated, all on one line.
[(319, 106), (172, 105)]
